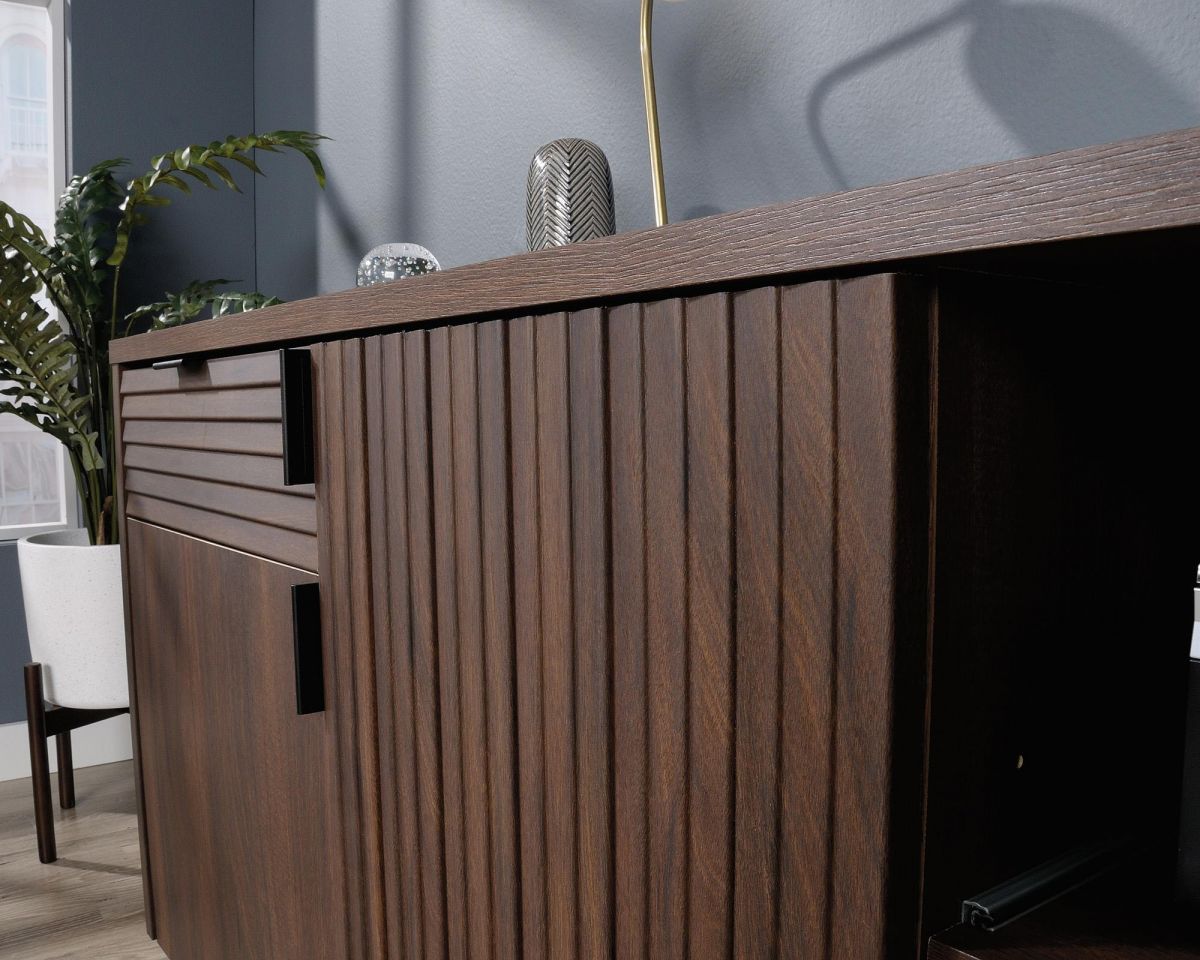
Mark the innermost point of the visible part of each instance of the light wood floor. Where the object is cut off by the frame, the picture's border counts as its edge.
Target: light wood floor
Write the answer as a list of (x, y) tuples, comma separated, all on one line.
[(88, 905)]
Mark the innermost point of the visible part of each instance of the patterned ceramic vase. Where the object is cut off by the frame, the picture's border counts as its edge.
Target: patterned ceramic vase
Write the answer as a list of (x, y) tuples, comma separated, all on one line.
[(570, 195)]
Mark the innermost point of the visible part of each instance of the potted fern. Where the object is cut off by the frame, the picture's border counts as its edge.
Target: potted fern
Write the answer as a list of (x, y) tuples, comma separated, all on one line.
[(60, 307)]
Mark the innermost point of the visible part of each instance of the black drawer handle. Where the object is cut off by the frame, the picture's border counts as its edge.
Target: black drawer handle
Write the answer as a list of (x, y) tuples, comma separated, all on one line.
[(306, 636), (179, 363), (295, 376)]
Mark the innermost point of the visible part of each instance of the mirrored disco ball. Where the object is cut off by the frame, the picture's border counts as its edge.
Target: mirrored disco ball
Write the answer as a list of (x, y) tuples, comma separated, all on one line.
[(395, 261)]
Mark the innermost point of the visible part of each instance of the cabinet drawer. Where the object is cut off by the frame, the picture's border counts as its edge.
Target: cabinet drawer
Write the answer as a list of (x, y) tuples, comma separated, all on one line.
[(203, 454)]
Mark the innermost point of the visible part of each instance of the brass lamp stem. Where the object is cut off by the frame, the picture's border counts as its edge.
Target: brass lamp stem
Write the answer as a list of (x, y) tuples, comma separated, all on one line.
[(656, 164)]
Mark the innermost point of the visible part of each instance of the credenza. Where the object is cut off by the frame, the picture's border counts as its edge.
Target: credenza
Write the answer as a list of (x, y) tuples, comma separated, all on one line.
[(761, 586)]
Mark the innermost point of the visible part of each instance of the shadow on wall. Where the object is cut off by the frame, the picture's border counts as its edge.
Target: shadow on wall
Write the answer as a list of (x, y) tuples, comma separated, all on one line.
[(305, 233), (1056, 77)]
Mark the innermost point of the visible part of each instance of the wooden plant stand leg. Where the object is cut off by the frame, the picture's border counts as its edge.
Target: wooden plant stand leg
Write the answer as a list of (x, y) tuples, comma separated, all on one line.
[(66, 770), (39, 759), (45, 721)]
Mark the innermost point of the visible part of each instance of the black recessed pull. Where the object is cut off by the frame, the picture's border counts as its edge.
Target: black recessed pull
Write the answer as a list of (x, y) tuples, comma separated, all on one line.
[(295, 376), (306, 636), (190, 363)]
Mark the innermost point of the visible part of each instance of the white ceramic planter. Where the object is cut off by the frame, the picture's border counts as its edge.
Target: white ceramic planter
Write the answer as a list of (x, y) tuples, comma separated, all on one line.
[(75, 616)]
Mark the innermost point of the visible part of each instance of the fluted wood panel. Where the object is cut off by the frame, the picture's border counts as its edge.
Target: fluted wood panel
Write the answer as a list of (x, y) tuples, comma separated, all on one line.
[(347, 628), (527, 620), (497, 635), (666, 649), (632, 692), (203, 455), (882, 442), (807, 655)]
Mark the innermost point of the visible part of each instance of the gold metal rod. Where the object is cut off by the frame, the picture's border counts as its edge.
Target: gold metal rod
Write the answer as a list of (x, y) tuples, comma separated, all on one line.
[(656, 164)]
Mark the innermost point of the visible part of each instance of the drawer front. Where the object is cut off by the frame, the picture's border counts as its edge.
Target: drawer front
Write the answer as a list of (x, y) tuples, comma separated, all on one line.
[(203, 454)]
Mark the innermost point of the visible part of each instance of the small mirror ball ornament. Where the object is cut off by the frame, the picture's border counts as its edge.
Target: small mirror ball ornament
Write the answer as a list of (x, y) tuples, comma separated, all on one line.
[(395, 261)]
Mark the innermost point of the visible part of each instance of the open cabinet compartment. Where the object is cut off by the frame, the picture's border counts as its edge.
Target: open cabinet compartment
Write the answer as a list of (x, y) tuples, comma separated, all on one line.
[(1064, 551)]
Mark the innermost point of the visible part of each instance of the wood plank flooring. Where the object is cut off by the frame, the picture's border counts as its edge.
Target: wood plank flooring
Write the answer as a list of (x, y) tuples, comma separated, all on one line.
[(88, 905)]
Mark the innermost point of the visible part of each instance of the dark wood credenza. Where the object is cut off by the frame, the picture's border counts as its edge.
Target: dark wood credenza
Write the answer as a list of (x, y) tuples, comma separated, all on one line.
[(760, 586)]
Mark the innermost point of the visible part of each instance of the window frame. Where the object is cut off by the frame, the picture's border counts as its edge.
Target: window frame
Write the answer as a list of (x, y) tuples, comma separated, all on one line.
[(58, 113)]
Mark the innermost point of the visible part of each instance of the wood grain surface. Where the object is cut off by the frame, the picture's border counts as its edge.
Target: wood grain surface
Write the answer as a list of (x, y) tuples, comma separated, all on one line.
[(202, 449), (248, 370), (88, 904), (587, 615), (241, 793), (688, 627), (119, 376), (882, 574), (346, 608), (662, 408), (1120, 188)]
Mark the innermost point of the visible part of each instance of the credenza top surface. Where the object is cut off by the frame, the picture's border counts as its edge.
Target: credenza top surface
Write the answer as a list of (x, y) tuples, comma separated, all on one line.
[(1129, 189)]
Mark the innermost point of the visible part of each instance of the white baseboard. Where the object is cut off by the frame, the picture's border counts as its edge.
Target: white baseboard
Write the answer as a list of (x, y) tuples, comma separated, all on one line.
[(104, 742)]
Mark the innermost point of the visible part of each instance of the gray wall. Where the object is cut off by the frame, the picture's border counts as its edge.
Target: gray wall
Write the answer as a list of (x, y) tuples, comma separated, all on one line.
[(437, 105), (152, 75), (14, 644)]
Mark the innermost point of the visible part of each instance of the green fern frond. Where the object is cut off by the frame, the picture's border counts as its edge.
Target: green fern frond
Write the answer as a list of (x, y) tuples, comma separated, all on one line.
[(83, 226), (59, 299), (198, 300), (198, 162), (42, 364)]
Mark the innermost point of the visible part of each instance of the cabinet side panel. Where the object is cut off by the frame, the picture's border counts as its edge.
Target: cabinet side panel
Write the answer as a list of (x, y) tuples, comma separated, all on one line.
[(119, 386), (882, 596)]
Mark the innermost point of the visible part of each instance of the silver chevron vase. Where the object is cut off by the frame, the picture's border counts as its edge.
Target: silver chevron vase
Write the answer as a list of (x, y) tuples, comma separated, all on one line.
[(570, 195)]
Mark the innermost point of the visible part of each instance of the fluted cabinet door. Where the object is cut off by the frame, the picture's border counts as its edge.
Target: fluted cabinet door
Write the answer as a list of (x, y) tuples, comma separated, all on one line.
[(620, 613)]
